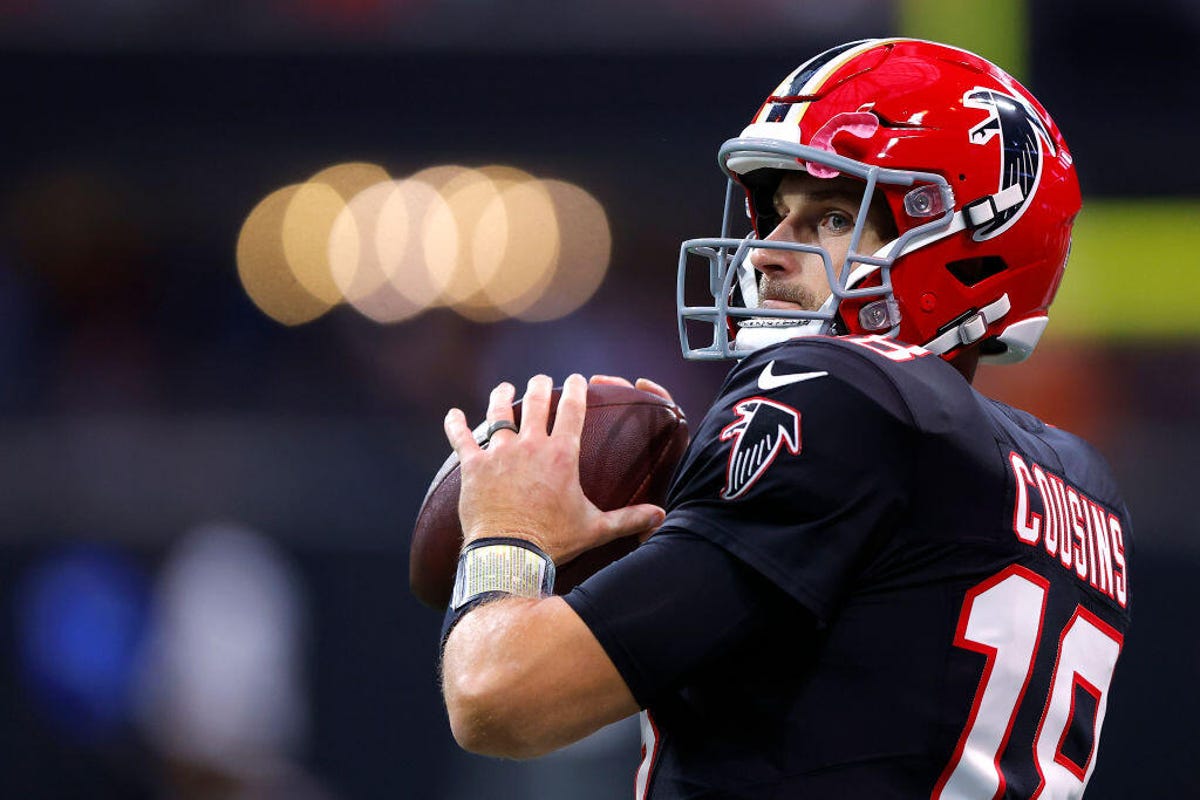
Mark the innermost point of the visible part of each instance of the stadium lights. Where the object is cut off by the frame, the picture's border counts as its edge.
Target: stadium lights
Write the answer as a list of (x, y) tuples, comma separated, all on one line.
[(490, 243)]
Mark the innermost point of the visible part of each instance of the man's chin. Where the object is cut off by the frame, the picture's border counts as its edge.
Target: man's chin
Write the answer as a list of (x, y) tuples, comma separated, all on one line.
[(781, 304)]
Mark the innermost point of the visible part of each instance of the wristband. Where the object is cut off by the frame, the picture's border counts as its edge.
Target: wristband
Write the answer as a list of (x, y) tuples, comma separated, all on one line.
[(502, 564), (494, 567)]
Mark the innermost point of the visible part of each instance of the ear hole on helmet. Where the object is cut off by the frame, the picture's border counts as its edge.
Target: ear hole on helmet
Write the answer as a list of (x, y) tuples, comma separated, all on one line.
[(970, 271)]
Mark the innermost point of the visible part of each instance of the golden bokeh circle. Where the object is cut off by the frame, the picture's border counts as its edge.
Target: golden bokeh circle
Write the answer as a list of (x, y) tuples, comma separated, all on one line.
[(263, 266), (356, 259), (519, 235), (306, 226), (585, 248)]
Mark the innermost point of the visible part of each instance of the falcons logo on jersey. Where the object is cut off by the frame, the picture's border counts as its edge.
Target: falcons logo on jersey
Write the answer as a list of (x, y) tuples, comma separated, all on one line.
[(763, 427)]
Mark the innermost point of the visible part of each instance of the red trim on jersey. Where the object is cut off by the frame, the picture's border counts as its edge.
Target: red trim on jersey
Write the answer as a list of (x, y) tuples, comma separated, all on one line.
[(1024, 517), (960, 640), (1102, 556), (1050, 511), (1075, 502), (1117, 537), (1110, 632), (1059, 756), (888, 348), (641, 787)]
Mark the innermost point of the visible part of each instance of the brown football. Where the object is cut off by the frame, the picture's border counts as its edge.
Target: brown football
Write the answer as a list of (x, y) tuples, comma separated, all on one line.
[(631, 442)]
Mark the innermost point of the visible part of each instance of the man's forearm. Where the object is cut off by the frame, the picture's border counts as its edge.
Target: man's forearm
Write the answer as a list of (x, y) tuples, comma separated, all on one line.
[(524, 677)]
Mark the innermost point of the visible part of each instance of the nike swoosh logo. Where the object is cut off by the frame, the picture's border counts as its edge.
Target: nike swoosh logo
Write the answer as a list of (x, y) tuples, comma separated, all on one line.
[(768, 380)]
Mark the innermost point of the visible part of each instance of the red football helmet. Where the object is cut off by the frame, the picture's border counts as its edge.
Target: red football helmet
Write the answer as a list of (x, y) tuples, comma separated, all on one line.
[(975, 173)]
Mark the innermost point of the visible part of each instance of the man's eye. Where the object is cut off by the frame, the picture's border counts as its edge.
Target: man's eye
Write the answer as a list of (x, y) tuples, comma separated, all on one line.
[(838, 222)]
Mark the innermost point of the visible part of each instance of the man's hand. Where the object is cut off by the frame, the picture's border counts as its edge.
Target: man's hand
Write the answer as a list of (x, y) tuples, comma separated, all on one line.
[(645, 384), (525, 484)]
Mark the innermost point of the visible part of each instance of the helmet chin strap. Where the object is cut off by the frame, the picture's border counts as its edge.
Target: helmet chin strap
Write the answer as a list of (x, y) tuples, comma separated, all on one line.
[(759, 332), (970, 330)]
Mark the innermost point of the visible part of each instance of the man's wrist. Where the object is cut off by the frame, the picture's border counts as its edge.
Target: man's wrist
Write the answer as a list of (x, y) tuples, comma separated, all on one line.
[(493, 567), (502, 564)]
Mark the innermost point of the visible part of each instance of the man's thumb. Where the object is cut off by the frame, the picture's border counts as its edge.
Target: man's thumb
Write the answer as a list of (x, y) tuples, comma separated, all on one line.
[(640, 520)]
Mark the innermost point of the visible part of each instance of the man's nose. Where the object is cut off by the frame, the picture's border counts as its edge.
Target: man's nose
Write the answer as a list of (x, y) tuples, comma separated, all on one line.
[(772, 260)]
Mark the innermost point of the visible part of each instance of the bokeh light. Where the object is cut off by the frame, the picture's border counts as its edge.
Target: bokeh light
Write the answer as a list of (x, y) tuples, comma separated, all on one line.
[(440, 234), (468, 195), (583, 257), (518, 244), (307, 223), (491, 243), (350, 178), (263, 266), (400, 244), (357, 268)]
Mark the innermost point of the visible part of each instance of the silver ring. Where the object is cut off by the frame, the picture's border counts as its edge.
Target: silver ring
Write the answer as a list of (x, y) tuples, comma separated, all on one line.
[(500, 425)]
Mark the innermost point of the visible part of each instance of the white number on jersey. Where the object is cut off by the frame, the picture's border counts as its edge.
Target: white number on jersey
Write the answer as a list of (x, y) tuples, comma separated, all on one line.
[(1002, 618)]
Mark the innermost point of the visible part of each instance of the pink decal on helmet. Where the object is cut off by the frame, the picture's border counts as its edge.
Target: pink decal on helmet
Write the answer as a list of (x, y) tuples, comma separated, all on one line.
[(861, 124)]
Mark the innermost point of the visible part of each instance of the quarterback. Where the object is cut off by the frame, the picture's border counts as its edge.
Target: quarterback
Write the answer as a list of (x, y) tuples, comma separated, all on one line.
[(870, 581)]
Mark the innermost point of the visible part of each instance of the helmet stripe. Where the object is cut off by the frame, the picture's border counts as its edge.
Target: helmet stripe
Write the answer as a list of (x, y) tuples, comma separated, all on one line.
[(809, 78)]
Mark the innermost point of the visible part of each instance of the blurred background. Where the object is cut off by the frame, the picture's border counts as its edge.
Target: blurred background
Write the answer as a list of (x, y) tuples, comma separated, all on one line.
[(219, 408)]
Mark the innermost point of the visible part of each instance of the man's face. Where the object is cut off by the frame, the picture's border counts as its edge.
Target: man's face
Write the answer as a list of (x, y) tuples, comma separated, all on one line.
[(815, 211)]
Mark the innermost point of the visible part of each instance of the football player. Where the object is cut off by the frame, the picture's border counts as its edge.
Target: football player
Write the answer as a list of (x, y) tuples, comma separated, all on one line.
[(871, 581)]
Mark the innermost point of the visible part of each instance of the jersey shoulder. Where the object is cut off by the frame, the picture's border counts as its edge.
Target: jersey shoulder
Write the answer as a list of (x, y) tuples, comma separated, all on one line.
[(906, 382), (1067, 454), (801, 461)]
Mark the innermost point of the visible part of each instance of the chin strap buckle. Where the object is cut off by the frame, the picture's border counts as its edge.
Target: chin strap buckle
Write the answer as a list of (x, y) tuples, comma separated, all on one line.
[(971, 329), (982, 211)]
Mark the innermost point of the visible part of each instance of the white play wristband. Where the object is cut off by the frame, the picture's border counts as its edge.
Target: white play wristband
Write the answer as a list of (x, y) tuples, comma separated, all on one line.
[(507, 565)]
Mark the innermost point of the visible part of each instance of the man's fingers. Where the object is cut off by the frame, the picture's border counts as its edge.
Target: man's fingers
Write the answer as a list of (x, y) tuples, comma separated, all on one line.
[(610, 380), (500, 402), (458, 433), (647, 385), (535, 407), (572, 406), (500, 409)]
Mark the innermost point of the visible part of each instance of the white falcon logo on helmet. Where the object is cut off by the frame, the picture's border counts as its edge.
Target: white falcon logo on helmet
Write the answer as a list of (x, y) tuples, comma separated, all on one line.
[(1020, 128)]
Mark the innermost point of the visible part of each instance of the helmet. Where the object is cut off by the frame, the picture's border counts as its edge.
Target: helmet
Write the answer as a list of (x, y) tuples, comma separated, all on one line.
[(975, 174)]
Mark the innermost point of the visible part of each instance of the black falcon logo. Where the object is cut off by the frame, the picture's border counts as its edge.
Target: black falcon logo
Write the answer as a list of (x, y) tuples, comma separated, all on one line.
[(762, 429), (1019, 127)]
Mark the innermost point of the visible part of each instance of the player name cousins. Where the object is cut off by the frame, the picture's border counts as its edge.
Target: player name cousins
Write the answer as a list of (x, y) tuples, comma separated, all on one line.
[(1084, 535)]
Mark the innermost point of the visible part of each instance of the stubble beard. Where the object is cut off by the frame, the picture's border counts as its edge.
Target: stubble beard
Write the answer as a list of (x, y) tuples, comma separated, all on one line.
[(802, 296)]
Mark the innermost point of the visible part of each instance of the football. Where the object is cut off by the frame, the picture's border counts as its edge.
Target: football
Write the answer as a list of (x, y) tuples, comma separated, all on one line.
[(629, 448)]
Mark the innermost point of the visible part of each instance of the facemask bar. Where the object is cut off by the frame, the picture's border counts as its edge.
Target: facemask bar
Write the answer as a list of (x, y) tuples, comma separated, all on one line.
[(724, 267), (723, 270)]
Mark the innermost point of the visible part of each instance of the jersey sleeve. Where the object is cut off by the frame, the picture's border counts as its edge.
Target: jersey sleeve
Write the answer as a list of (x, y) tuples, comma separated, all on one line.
[(674, 605), (801, 467)]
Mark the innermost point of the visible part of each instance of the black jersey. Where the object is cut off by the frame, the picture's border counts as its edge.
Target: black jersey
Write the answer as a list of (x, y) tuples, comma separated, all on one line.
[(872, 582)]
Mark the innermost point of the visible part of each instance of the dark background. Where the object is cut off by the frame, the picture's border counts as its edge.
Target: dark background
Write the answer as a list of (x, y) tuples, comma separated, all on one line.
[(142, 394)]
